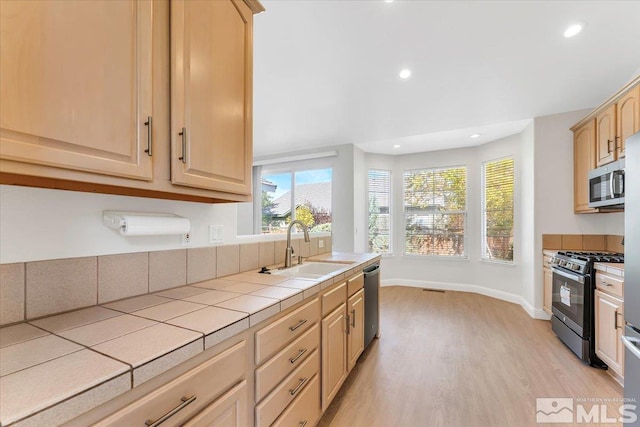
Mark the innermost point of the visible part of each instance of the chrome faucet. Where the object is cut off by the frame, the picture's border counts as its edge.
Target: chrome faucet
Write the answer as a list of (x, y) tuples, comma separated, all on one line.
[(289, 250)]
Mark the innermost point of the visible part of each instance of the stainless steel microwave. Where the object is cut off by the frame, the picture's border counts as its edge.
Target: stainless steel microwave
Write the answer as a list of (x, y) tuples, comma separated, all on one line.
[(606, 186)]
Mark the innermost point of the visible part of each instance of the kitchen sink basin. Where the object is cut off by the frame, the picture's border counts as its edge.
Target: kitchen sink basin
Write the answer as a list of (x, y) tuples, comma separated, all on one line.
[(310, 270)]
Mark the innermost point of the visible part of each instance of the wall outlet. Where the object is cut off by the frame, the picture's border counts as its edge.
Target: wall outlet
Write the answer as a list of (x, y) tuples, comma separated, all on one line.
[(186, 239), (216, 234), (320, 243)]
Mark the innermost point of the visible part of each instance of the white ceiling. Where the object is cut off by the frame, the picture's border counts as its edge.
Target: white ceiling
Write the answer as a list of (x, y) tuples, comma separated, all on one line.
[(326, 71)]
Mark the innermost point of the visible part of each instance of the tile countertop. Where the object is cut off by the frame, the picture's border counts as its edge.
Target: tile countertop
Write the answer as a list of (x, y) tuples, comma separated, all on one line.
[(55, 368), (617, 269)]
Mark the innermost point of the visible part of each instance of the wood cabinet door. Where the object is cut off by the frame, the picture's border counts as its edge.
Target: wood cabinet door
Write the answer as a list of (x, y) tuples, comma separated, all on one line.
[(75, 84), (355, 341), (211, 93), (609, 323), (584, 159), (229, 410), (628, 118), (548, 290), (334, 354), (606, 136)]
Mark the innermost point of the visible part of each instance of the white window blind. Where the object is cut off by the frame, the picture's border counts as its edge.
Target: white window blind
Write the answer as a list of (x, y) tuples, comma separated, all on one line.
[(379, 185), (497, 210), (435, 210)]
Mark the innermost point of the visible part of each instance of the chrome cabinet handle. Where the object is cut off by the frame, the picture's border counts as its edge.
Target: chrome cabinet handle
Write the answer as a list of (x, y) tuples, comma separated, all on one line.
[(353, 318), (615, 319), (296, 326), (348, 330), (606, 284), (609, 146), (183, 134), (298, 356), (302, 423), (149, 125), (297, 388), (185, 402)]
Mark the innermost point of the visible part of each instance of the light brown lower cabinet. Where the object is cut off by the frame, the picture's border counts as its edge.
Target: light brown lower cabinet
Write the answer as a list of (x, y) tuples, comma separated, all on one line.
[(548, 290), (334, 353), (206, 386), (230, 410), (342, 334), (304, 411), (355, 342), (609, 326)]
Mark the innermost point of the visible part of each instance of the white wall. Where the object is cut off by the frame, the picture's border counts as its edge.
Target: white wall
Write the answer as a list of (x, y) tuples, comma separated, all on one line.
[(360, 201), (39, 224)]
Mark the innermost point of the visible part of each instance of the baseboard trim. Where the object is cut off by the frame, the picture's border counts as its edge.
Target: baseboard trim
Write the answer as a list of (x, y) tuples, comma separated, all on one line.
[(463, 287)]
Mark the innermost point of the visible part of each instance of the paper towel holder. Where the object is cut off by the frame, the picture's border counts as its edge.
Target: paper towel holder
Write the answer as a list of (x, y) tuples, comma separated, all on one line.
[(146, 223)]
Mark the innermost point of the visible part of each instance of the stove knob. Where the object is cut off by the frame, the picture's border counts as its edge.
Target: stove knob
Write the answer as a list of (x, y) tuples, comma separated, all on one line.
[(575, 267), (570, 266)]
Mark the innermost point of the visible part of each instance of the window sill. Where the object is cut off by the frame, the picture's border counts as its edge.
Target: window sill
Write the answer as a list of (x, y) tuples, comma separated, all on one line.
[(498, 262), (437, 257)]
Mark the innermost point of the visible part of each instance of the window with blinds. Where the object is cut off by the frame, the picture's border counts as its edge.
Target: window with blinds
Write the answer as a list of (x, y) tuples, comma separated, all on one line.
[(435, 211), (497, 210), (379, 187)]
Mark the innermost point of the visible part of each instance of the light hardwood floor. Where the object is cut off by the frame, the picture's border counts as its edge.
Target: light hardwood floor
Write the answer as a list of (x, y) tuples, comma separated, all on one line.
[(461, 359)]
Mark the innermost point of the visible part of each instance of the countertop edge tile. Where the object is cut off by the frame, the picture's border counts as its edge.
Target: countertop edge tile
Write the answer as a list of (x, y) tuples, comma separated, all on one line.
[(227, 332), (264, 314), (167, 361), (80, 403)]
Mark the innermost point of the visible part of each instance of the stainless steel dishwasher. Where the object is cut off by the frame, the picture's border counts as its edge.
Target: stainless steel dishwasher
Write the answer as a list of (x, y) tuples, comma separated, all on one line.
[(371, 314)]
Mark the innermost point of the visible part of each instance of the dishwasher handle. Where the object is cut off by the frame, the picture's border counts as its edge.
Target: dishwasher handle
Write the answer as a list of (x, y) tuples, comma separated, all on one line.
[(372, 270)]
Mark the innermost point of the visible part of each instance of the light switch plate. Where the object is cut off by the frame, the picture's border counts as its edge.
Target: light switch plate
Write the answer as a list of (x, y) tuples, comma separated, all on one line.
[(216, 234), (320, 243)]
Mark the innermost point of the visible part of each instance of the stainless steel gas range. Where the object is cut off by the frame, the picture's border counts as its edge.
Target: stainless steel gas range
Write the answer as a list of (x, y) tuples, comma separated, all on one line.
[(572, 304)]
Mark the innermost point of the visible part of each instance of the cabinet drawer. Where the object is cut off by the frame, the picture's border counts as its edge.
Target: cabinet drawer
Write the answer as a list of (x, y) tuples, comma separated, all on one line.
[(333, 298), (305, 410), (610, 285), (355, 284), (281, 332), (283, 363), (205, 383), (273, 405)]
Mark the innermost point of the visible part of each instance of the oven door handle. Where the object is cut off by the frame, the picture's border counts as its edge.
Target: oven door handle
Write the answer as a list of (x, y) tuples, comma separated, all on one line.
[(575, 277), (632, 344)]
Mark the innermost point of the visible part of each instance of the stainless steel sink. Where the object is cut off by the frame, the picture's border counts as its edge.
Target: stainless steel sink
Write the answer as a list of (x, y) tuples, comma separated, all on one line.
[(310, 270)]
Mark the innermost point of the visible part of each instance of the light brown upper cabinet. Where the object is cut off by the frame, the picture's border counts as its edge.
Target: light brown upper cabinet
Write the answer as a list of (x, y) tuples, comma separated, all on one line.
[(211, 86), (615, 124), (94, 96), (600, 138), (75, 85), (628, 121), (584, 152)]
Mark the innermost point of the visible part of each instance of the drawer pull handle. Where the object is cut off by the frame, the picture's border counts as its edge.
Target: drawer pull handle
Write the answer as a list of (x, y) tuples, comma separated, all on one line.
[(606, 284), (296, 326), (302, 423), (185, 401), (298, 356), (297, 388)]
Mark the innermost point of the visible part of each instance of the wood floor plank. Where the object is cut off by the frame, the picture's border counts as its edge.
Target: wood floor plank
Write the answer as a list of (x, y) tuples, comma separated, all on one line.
[(461, 359)]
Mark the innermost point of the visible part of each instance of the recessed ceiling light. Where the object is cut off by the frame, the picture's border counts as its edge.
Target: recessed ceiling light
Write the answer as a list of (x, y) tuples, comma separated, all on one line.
[(405, 74), (388, 1), (573, 30), (396, 146), (475, 135)]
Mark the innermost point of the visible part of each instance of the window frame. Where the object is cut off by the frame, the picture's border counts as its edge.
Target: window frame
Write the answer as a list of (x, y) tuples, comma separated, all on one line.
[(465, 213), (286, 169), (391, 205), (483, 210)]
